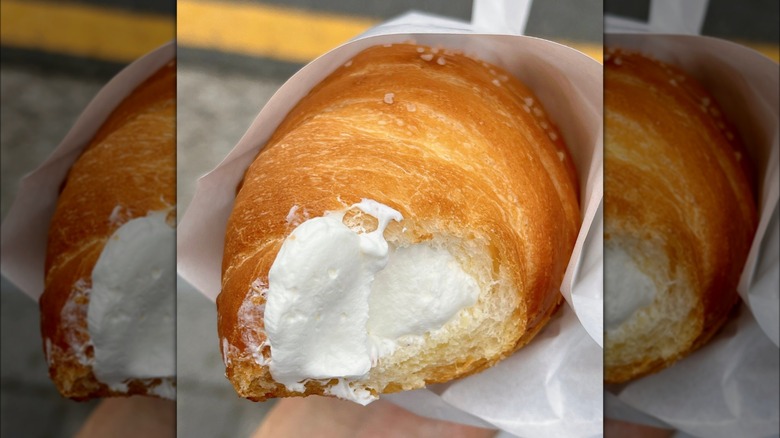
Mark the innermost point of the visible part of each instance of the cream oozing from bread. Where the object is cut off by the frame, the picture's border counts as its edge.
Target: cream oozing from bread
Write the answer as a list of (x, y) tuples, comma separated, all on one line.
[(339, 300), (421, 287), (131, 310), (497, 193), (77, 336)]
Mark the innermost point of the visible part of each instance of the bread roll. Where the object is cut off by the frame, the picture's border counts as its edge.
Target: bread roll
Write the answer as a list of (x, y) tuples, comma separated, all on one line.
[(408, 223), (121, 187), (679, 215)]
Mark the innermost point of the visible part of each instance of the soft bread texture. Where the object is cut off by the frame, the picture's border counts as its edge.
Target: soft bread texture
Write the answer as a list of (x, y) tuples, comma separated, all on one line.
[(470, 159), (678, 200), (126, 171)]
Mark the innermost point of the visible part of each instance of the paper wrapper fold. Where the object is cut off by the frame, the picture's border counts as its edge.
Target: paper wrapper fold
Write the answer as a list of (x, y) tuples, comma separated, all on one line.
[(729, 387), (554, 384), (26, 227)]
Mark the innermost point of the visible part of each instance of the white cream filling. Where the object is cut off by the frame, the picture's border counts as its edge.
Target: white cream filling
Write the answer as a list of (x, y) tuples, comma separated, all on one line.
[(165, 389), (626, 288), (73, 313), (338, 300), (132, 304), (421, 288), (343, 390)]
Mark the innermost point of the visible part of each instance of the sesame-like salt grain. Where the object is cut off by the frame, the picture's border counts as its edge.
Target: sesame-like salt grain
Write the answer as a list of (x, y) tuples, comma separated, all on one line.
[(441, 60), (427, 56), (420, 50), (553, 136), (561, 155), (496, 82), (348, 63), (389, 98), (411, 107)]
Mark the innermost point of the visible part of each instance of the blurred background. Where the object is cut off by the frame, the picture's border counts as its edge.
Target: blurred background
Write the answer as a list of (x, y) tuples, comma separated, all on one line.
[(232, 57), (752, 23), (55, 57)]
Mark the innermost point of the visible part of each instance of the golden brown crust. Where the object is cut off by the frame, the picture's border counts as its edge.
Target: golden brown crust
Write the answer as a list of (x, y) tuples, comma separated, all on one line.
[(676, 173), (458, 146), (127, 170)]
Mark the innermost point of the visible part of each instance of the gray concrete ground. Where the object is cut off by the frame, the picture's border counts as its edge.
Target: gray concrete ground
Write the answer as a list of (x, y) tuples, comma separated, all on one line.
[(38, 108), (215, 109)]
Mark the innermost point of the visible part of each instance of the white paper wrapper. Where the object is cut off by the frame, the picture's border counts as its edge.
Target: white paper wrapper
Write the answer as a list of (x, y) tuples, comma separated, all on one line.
[(26, 227), (723, 390), (553, 386)]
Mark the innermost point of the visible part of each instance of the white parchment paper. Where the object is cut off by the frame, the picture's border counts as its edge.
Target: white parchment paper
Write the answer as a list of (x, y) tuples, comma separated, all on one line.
[(728, 388), (553, 386), (26, 227)]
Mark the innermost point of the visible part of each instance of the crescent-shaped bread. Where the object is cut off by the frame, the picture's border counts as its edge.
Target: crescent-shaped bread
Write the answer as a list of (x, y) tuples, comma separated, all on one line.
[(678, 204), (126, 171), (464, 152)]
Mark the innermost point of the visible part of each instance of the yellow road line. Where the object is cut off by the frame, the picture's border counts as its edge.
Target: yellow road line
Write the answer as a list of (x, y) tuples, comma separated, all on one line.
[(275, 32), (595, 51), (249, 29), (771, 51), (261, 30), (81, 30)]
